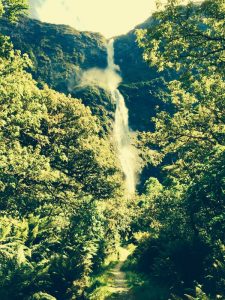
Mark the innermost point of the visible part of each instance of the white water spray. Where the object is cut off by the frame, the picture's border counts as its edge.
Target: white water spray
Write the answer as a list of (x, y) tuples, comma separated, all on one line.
[(126, 152), (110, 79)]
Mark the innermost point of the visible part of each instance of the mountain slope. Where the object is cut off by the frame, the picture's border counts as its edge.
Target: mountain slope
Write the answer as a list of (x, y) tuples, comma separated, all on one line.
[(129, 57), (58, 52)]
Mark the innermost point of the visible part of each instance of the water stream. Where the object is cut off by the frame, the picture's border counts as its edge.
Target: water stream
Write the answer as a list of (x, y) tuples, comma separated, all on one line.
[(121, 132)]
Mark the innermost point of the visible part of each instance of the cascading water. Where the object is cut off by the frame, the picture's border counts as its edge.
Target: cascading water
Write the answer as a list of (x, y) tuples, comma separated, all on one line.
[(109, 79), (126, 152)]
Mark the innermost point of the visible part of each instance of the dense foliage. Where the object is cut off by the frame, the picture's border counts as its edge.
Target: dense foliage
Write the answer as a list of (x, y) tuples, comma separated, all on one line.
[(59, 186), (60, 54), (62, 209), (184, 215)]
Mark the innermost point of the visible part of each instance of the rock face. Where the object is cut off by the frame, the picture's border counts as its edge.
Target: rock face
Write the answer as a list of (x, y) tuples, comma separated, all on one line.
[(129, 57), (58, 52)]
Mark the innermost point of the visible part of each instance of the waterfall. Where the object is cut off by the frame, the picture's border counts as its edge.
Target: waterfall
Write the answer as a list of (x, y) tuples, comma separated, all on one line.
[(109, 79), (121, 132)]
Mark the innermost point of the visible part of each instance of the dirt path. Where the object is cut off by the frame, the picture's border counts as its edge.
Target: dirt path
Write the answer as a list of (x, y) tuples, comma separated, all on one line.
[(119, 287)]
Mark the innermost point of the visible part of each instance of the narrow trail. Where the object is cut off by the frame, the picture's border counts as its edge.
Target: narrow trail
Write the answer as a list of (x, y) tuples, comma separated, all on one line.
[(119, 287)]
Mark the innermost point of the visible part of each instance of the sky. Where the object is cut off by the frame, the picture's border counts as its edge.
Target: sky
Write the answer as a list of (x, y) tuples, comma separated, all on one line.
[(109, 17)]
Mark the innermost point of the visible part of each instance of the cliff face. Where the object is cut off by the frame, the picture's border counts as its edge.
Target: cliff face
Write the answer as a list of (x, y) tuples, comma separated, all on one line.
[(60, 54), (129, 57)]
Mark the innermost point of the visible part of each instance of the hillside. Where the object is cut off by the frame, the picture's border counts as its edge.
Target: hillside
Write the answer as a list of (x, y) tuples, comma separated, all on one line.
[(129, 57), (60, 54)]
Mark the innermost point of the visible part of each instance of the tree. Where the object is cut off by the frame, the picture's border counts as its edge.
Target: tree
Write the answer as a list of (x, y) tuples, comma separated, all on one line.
[(189, 41), (59, 177), (187, 38), (12, 9)]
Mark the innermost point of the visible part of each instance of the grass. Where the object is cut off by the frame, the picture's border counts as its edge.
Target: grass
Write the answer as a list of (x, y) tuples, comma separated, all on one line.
[(100, 285), (143, 288)]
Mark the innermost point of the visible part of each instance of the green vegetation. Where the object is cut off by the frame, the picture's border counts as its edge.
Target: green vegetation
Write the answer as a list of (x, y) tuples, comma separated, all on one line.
[(184, 215), (63, 213), (59, 53), (143, 289), (60, 186)]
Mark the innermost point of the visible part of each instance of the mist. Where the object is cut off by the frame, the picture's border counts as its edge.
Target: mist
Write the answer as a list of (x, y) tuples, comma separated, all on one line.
[(109, 79), (34, 8)]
